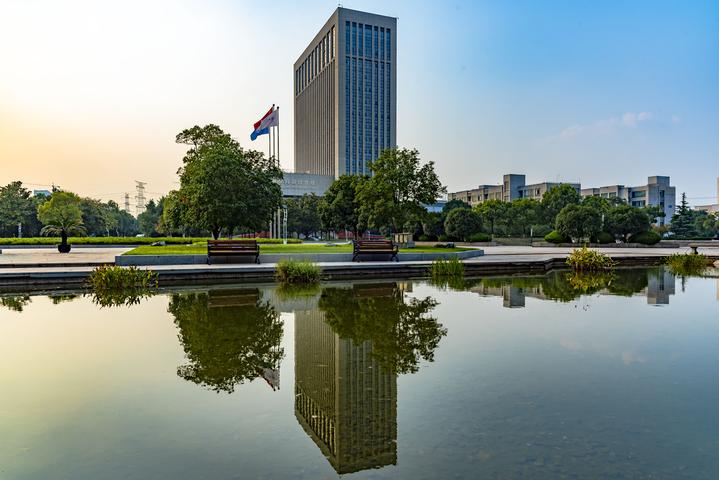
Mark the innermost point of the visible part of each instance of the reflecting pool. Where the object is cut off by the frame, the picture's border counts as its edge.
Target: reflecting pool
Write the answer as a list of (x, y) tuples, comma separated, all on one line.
[(558, 376)]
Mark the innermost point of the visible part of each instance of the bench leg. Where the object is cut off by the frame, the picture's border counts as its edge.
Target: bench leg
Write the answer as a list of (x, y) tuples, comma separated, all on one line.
[(257, 259), (695, 250)]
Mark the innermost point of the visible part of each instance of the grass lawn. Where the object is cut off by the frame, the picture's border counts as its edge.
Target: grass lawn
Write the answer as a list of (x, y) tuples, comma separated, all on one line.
[(199, 249)]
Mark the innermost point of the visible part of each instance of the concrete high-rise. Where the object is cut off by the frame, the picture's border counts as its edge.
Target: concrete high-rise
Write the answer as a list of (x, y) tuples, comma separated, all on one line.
[(345, 86)]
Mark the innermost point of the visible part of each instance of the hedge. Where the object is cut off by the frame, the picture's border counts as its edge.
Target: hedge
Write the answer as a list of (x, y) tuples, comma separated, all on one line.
[(605, 237), (556, 237), (646, 238), (30, 241)]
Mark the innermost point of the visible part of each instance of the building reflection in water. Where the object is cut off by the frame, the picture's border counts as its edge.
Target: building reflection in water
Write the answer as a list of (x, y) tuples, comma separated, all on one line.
[(344, 400), (348, 354), (657, 285)]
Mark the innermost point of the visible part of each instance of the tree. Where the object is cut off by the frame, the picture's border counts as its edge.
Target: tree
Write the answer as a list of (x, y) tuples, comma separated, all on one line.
[(601, 204), (555, 199), (578, 222), (625, 221), (62, 216), (303, 214), (452, 204), (492, 212), (149, 220), (339, 208), (433, 225), (402, 333), (682, 222), (462, 223), (236, 340), (15, 206), (521, 214), (224, 186), (398, 189)]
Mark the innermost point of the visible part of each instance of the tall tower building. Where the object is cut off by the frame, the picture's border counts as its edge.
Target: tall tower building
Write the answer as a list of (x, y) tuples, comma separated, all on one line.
[(345, 94)]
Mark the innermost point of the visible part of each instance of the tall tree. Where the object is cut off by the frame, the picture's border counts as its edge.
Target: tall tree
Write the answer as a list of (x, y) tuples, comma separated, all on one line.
[(224, 186), (339, 207), (682, 221), (398, 189), (462, 223), (493, 212), (555, 199), (15, 206), (148, 221), (625, 221), (303, 215), (579, 222)]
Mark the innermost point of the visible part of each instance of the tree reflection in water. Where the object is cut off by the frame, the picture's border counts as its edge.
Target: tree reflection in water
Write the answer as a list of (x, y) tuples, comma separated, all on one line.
[(229, 337), (401, 331), (15, 303)]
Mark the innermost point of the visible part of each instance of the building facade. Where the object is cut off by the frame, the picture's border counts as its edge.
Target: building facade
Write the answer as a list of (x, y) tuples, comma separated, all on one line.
[(513, 187), (712, 208), (345, 86), (298, 184), (657, 192)]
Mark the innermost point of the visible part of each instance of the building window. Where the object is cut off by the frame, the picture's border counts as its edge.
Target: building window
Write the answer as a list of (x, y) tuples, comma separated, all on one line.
[(354, 38), (368, 41), (360, 42), (348, 42), (388, 34)]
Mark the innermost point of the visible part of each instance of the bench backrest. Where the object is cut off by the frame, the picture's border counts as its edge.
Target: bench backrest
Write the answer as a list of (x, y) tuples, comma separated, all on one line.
[(232, 244), (374, 244)]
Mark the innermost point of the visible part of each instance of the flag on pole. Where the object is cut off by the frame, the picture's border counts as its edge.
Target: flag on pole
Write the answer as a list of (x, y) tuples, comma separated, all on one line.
[(259, 129)]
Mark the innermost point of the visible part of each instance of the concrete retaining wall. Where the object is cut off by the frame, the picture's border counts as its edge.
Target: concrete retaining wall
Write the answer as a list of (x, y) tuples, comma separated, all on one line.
[(149, 260)]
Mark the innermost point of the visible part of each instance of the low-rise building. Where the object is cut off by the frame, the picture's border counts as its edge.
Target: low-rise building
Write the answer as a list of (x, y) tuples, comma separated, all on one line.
[(298, 184), (657, 192), (513, 187), (712, 208)]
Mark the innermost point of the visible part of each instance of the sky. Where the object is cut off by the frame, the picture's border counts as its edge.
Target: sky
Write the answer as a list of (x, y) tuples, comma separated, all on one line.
[(92, 93)]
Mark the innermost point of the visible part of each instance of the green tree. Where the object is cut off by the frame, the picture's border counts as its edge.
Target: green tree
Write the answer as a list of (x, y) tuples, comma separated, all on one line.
[(224, 186), (433, 225), (578, 222), (521, 214), (624, 221), (555, 199), (149, 220), (229, 337), (402, 332), (493, 212), (172, 219), (398, 189), (682, 222), (303, 214), (15, 206), (601, 204), (462, 223), (339, 207), (62, 216), (452, 204)]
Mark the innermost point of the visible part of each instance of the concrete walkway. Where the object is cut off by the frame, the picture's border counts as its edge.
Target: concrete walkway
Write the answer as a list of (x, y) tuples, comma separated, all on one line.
[(51, 257)]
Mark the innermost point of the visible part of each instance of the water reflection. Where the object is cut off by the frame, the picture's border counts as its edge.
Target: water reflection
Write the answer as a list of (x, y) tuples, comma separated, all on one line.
[(348, 353), (15, 303), (229, 336), (656, 284)]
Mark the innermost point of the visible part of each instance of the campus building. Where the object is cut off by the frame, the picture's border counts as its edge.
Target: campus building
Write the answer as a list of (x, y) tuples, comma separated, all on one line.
[(712, 208), (513, 187), (657, 192), (345, 86)]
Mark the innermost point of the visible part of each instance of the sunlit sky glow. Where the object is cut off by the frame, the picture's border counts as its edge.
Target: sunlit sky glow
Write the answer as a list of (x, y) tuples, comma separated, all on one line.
[(92, 93)]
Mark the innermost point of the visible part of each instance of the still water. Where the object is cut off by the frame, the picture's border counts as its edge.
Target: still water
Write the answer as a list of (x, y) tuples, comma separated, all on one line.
[(528, 377)]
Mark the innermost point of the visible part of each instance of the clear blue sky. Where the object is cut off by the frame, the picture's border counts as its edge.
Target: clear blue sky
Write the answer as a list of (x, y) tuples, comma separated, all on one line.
[(606, 92)]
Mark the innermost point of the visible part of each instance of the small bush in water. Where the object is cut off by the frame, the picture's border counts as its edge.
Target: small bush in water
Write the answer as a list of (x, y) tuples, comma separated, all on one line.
[(111, 277), (447, 268), (296, 271), (687, 263), (586, 260)]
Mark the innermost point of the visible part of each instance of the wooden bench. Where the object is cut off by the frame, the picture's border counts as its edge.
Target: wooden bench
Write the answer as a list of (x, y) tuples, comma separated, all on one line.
[(375, 247), (233, 248), (696, 245)]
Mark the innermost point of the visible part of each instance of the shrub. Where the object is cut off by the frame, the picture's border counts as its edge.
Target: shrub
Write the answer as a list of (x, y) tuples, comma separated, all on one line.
[(604, 237), (646, 238), (424, 238), (297, 271), (556, 237), (687, 263), (116, 286), (447, 268), (443, 238), (586, 260), (541, 230), (480, 237)]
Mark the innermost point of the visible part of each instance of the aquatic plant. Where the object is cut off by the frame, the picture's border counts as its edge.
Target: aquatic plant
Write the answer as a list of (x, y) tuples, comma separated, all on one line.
[(113, 286), (447, 268), (687, 264), (587, 260), (297, 271)]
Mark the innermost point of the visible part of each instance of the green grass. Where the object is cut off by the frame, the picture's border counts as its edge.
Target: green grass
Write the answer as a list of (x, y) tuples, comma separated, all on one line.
[(201, 249), (120, 240), (687, 264)]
